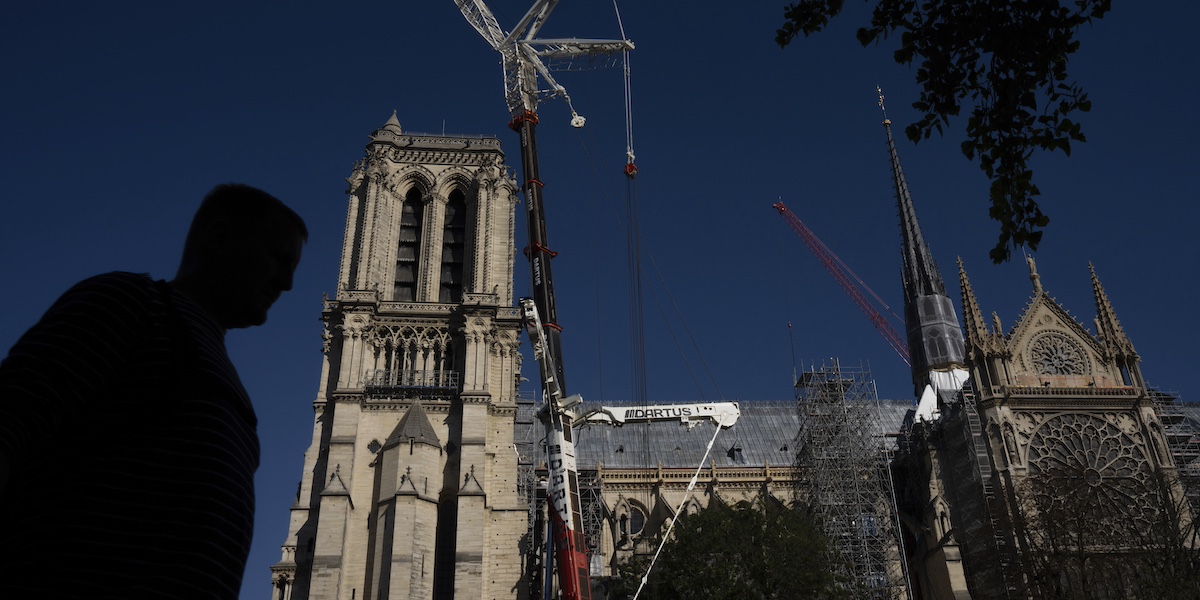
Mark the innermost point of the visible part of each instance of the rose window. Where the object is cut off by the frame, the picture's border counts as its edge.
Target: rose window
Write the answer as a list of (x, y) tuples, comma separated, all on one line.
[(1083, 466), (1056, 354)]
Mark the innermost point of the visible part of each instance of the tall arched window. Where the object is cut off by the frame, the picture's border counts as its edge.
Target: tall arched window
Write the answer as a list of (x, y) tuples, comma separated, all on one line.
[(408, 253), (454, 241)]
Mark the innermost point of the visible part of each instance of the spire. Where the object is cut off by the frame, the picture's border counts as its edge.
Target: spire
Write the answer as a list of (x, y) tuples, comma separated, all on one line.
[(1109, 328), (390, 132), (935, 340), (921, 275)]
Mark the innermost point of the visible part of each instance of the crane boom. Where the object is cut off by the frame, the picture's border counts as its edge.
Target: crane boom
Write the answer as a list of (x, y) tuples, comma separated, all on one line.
[(831, 264), (723, 414)]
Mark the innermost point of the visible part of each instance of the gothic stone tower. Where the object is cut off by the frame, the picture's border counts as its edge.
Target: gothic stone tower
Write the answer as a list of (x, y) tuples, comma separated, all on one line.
[(410, 485)]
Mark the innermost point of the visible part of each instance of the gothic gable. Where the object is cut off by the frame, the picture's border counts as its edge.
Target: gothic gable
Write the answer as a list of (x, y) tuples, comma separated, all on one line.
[(1049, 347)]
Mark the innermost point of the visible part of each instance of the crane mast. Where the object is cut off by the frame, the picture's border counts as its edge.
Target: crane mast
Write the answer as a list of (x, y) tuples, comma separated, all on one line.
[(562, 485), (522, 53)]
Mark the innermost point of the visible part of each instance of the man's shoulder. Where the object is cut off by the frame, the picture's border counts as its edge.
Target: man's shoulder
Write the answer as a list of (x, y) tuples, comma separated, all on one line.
[(116, 283), (119, 294), (118, 278)]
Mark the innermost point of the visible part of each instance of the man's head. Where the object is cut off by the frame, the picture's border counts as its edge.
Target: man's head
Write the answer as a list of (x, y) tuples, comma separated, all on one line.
[(240, 254)]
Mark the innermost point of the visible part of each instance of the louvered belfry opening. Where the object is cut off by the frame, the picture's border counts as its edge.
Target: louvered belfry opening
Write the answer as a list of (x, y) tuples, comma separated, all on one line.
[(454, 242), (408, 253)]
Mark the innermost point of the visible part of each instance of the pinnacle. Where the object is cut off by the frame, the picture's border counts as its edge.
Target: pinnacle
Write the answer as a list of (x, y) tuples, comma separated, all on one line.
[(393, 123)]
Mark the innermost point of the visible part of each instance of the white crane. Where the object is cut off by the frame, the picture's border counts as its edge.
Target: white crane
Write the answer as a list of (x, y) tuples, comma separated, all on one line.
[(522, 56), (523, 53)]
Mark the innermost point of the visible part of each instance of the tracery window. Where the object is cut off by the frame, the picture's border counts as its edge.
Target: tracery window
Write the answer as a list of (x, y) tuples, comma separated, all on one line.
[(1053, 353), (1084, 467), (408, 253), (637, 520), (935, 345)]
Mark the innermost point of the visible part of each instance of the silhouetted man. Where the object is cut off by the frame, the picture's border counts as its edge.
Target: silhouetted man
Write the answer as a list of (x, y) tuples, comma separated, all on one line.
[(127, 442)]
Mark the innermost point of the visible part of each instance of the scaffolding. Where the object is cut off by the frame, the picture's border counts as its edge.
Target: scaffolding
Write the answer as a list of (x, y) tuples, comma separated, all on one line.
[(982, 525), (843, 463), (1183, 441), (592, 508)]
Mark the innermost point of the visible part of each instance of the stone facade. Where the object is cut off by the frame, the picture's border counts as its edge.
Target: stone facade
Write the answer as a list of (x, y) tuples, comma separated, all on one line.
[(409, 488), (1035, 464), (1049, 472)]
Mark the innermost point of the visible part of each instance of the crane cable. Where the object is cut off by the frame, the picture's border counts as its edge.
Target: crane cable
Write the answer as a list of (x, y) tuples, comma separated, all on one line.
[(637, 310), (687, 496), (637, 318), (638, 321), (586, 145), (628, 100)]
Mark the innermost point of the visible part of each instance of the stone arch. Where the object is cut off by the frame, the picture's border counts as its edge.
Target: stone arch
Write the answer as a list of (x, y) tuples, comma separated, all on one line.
[(456, 178), (631, 518), (418, 176), (458, 215)]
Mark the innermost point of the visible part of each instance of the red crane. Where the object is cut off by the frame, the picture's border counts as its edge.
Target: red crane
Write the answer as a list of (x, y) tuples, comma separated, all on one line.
[(842, 274)]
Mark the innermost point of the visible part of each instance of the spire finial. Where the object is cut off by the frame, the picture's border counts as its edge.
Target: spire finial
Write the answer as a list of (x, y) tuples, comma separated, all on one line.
[(1033, 275)]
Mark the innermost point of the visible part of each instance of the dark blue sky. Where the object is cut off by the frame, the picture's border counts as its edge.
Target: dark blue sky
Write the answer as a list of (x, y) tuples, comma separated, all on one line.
[(117, 117)]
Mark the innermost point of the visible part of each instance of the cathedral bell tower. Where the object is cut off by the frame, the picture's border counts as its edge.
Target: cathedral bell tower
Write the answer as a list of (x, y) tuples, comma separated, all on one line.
[(409, 488)]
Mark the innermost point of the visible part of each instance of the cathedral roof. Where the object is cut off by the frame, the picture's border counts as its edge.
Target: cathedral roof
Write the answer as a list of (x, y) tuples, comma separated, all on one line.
[(765, 434)]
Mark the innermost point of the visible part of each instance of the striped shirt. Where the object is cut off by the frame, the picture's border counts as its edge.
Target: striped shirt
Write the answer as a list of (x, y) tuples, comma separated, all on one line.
[(132, 448)]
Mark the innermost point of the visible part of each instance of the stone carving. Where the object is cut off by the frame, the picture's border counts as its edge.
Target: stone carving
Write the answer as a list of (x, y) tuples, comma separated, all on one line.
[(326, 340), (1010, 443)]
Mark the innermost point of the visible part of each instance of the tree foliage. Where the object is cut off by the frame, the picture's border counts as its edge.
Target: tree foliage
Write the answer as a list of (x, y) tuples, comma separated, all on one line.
[(1079, 548), (753, 551), (1007, 62)]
